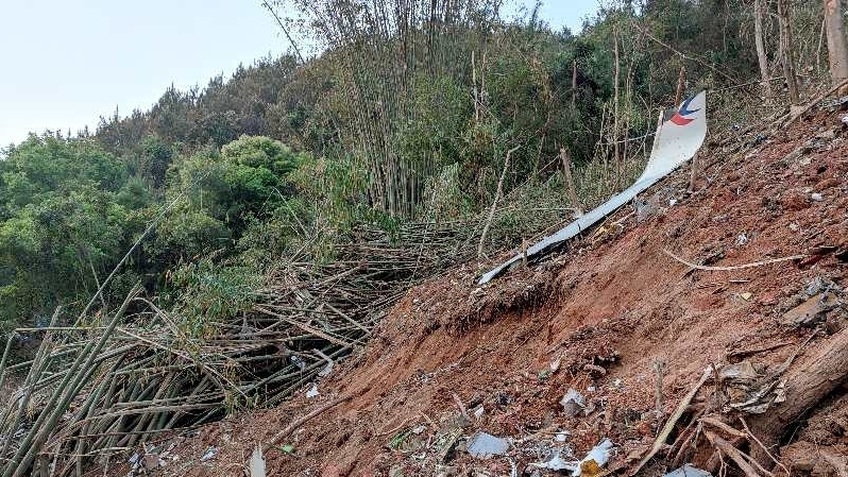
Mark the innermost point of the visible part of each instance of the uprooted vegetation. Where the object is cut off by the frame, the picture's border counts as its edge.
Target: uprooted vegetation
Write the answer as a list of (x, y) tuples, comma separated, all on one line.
[(339, 260)]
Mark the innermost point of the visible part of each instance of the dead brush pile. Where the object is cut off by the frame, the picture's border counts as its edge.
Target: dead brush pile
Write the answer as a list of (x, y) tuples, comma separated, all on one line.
[(99, 388)]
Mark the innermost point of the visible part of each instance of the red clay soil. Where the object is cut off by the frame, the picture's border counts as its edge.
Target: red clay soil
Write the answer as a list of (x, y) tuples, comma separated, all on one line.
[(599, 318)]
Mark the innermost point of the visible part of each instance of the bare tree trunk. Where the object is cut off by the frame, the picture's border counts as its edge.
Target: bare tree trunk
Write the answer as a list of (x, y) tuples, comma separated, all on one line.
[(494, 203), (681, 83), (574, 84), (836, 46), (569, 181), (615, 115), (805, 387), (785, 14), (761, 47)]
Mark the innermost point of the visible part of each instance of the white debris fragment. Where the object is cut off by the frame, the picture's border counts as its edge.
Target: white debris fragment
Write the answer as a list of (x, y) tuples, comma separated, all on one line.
[(210, 454), (329, 367), (816, 197), (298, 361), (555, 364), (313, 391), (257, 463), (483, 445), (573, 402), (600, 454), (556, 463)]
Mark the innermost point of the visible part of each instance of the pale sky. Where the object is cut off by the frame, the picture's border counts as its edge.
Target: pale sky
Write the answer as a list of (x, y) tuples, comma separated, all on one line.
[(66, 63)]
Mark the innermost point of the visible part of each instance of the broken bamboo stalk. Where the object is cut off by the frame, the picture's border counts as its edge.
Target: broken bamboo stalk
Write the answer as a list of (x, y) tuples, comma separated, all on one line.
[(303, 420), (734, 267), (494, 207)]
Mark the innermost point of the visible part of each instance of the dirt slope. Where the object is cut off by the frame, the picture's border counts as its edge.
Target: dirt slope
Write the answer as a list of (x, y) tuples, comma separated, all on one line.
[(599, 318)]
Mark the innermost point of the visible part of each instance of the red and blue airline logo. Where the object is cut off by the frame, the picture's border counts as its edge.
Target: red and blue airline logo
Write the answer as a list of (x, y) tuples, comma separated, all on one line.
[(680, 117)]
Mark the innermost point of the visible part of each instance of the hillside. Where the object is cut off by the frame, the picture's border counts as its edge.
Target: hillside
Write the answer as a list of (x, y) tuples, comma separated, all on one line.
[(452, 359), (290, 255)]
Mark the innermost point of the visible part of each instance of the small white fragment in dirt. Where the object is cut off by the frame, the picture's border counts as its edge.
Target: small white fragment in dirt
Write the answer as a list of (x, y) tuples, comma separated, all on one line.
[(561, 436), (844, 119), (555, 364), (478, 413), (328, 368), (257, 463), (298, 361), (672, 202), (210, 453), (688, 471), (590, 389), (313, 391), (617, 383), (794, 227), (746, 296), (483, 445), (816, 197), (573, 402), (600, 454), (742, 239), (417, 430)]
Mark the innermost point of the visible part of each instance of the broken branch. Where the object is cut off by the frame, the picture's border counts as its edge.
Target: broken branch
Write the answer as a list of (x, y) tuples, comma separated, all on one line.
[(735, 267)]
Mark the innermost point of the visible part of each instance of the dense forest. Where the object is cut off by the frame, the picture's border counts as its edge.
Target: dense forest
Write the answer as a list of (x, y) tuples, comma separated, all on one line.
[(403, 116)]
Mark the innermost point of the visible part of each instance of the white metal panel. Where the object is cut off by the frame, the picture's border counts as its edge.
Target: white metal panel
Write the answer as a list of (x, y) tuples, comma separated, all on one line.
[(677, 140)]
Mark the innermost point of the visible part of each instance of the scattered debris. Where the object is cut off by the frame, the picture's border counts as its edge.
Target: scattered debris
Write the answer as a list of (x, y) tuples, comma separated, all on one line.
[(483, 445), (659, 442), (816, 197), (573, 403), (313, 391)]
